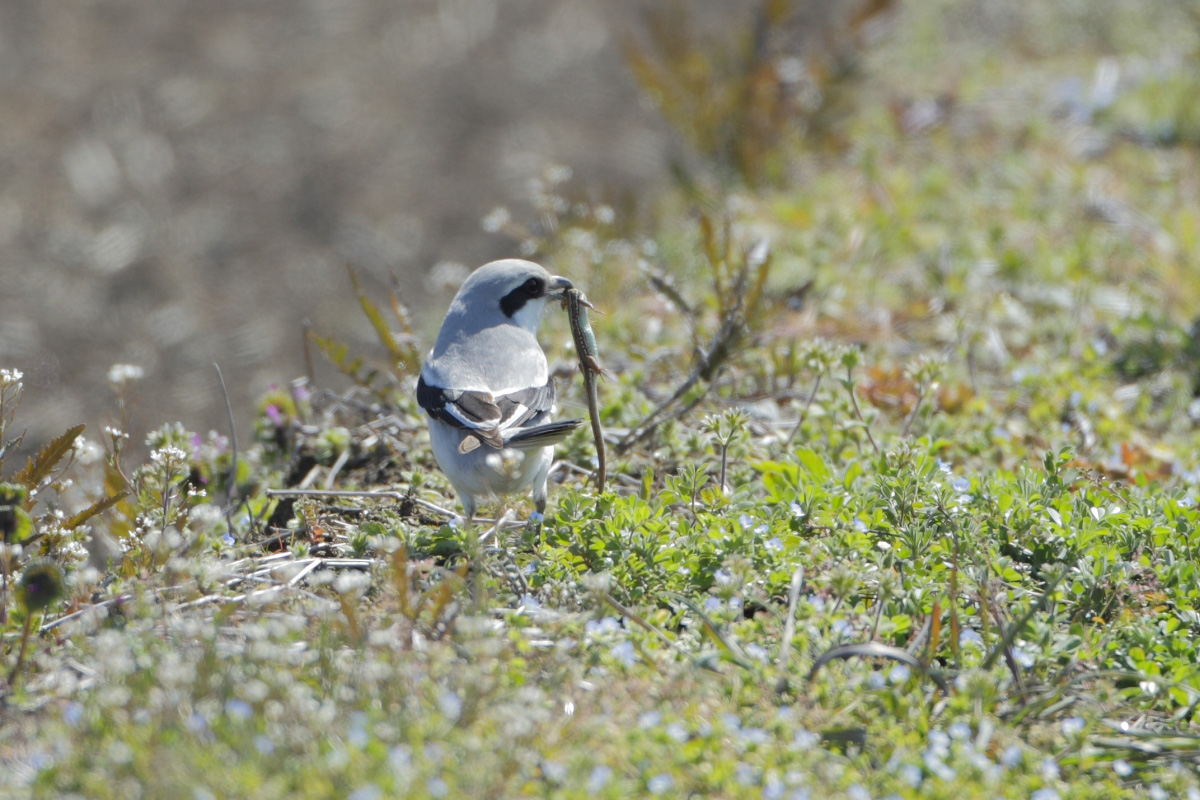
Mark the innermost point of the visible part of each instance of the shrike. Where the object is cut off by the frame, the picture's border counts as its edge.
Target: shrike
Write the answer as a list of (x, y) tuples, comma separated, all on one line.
[(486, 387)]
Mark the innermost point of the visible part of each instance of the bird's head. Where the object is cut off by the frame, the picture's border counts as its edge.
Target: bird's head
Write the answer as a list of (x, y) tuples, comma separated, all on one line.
[(515, 290)]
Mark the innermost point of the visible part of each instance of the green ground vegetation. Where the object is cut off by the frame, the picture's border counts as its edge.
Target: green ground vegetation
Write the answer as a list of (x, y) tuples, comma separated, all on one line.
[(903, 445)]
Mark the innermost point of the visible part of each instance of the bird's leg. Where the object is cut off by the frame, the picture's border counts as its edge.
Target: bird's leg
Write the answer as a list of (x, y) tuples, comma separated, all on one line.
[(533, 528), (501, 518), (475, 549), (470, 506), (471, 548)]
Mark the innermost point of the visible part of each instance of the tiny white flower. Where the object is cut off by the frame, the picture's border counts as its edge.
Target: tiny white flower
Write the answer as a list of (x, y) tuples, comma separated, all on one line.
[(496, 219), (120, 374), (352, 583)]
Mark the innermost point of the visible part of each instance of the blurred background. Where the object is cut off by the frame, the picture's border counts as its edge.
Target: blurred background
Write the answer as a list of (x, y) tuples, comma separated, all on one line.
[(184, 181)]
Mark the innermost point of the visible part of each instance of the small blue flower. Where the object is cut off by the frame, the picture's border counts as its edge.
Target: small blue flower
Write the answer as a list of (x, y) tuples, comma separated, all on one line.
[(554, 772), (936, 767), (804, 740), (600, 627), (72, 712), (450, 705), (436, 786), (1024, 657), (598, 778), (238, 709), (358, 738), (400, 757), (754, 736), (649, 719), (939, 741), (624, 653), (367, 791), (660, 783)]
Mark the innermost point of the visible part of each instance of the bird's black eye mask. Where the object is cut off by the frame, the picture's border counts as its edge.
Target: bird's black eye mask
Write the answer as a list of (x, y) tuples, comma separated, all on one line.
[(515, 300)]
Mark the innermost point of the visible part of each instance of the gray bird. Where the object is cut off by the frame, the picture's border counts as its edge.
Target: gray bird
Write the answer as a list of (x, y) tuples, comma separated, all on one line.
[(487, 389)]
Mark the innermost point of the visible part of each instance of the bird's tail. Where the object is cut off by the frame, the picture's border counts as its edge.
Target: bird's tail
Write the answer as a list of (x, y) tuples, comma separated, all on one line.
[(540, 435)]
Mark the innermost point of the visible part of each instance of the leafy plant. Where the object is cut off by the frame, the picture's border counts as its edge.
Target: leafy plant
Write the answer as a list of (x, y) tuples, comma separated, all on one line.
[(403, 356), (738, 98)]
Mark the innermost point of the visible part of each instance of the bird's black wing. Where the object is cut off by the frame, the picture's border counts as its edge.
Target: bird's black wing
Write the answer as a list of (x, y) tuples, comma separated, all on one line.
[(482, 413)]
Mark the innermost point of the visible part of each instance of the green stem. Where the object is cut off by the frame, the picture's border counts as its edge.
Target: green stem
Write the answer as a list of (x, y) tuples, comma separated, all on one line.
[(858, 412), (12, 676)]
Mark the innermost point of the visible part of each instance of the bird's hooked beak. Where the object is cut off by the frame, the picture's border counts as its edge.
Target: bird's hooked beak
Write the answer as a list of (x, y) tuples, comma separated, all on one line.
[(557, 288)]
